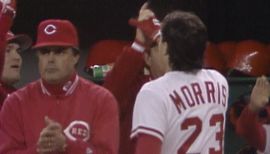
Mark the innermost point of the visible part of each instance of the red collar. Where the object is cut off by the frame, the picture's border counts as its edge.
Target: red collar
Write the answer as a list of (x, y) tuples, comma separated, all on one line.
[(64, 88)]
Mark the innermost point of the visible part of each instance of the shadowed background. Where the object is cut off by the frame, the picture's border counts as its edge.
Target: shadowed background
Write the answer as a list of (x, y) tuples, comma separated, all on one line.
[(107, 19), (232, 20)]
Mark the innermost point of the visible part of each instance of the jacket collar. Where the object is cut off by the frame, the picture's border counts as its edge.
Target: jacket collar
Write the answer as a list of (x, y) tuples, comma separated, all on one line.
[(64, 89)]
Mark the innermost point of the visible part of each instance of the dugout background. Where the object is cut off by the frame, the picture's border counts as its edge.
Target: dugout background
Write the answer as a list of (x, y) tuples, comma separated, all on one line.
[(107, 19)]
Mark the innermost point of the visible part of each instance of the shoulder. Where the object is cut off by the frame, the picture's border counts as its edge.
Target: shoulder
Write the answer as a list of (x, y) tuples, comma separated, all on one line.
[(154, 85), (214, 75), (97, 95), (92, 87), (154, 88), (214, 72), (28, 90), (94, 90), (18, 98)]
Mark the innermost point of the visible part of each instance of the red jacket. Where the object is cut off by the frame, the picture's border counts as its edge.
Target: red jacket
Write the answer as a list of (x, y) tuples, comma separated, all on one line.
[(5, 90), (125, 81), (249, 127), (87, 112)]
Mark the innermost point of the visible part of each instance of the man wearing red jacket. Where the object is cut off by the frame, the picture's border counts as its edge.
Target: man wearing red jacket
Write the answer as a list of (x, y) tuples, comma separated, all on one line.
[(7, 13), (249, 126), (12, 63), (61, 112), (127, 76)]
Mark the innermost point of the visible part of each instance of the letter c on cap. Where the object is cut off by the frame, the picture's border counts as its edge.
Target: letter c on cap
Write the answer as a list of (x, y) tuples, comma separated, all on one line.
[(50, 29)]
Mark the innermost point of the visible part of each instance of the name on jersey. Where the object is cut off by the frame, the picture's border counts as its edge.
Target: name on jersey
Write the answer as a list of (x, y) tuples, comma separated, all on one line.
[(194, 94)]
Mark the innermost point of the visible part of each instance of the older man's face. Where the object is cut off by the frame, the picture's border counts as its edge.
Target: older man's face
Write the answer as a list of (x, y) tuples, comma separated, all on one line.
[(56, 64)]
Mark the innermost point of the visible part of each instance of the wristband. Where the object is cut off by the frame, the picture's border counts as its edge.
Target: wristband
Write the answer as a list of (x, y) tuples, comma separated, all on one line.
[(137, 46)]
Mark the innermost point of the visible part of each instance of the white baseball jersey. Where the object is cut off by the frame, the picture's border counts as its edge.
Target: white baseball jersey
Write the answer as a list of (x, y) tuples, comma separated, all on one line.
[(185, 111)]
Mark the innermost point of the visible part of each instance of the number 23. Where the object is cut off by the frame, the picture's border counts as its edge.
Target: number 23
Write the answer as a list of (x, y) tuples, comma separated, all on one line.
[(197, 122)]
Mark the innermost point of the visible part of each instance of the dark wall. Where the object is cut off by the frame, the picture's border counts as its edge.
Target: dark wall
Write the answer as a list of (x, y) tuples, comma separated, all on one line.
[(107, 19), (95, 20), (238, 19), (102, 19)]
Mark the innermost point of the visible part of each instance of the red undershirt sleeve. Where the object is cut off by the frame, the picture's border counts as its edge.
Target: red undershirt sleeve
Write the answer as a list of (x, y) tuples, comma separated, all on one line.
[(147, 144)]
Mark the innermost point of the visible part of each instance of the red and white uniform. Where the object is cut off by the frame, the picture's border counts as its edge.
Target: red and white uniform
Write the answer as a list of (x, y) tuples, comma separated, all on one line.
[(87, 112), (185, 111)]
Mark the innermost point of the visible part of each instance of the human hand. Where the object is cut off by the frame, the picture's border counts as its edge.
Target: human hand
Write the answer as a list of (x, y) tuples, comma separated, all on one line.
[(148, 27), (8, 7), (260, 94), (51, 138)]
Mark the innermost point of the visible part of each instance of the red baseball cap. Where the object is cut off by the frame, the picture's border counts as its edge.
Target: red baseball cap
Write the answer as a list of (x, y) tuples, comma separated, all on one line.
[(23, 40), (56, 32)]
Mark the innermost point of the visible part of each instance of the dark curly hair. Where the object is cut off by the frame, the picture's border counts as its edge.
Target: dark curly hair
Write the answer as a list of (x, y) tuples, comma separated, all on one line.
[(186, 36)]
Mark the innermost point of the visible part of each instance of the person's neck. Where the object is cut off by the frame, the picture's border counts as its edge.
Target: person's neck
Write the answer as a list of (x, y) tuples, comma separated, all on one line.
[(8, 83), (59, 88), (8, 88)]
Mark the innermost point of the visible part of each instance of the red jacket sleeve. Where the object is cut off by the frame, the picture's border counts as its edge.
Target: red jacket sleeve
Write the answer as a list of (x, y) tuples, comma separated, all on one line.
[(147, 144), (251, 129), (2, 53), (126, 70), (105, 138), (5, 24), (12, 140)]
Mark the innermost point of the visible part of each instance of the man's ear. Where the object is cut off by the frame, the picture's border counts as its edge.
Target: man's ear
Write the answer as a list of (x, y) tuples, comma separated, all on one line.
[(76, 59), (164, 47), (147, 58)]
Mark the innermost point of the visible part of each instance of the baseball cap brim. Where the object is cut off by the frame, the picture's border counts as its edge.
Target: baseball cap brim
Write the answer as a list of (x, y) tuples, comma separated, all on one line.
[(24, 41), (49, 44)]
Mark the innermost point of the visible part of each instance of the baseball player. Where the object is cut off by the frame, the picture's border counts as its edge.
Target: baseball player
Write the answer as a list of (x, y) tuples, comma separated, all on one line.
[(7, 13), (61, 112), (12, 64), (248, 125), (183, 111)]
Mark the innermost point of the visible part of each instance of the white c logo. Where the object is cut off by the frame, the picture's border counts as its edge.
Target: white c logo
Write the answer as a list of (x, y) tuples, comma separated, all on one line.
[(50, 29), (78, 130)]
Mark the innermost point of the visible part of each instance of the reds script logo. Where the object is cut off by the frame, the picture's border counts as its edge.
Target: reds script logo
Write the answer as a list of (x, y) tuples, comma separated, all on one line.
[(78, 130), (50, 29)]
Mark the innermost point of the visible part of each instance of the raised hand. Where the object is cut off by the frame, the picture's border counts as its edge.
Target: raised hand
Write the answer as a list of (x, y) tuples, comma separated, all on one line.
[(51, 138), (8, 7), (260, 94), (148, 27)]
